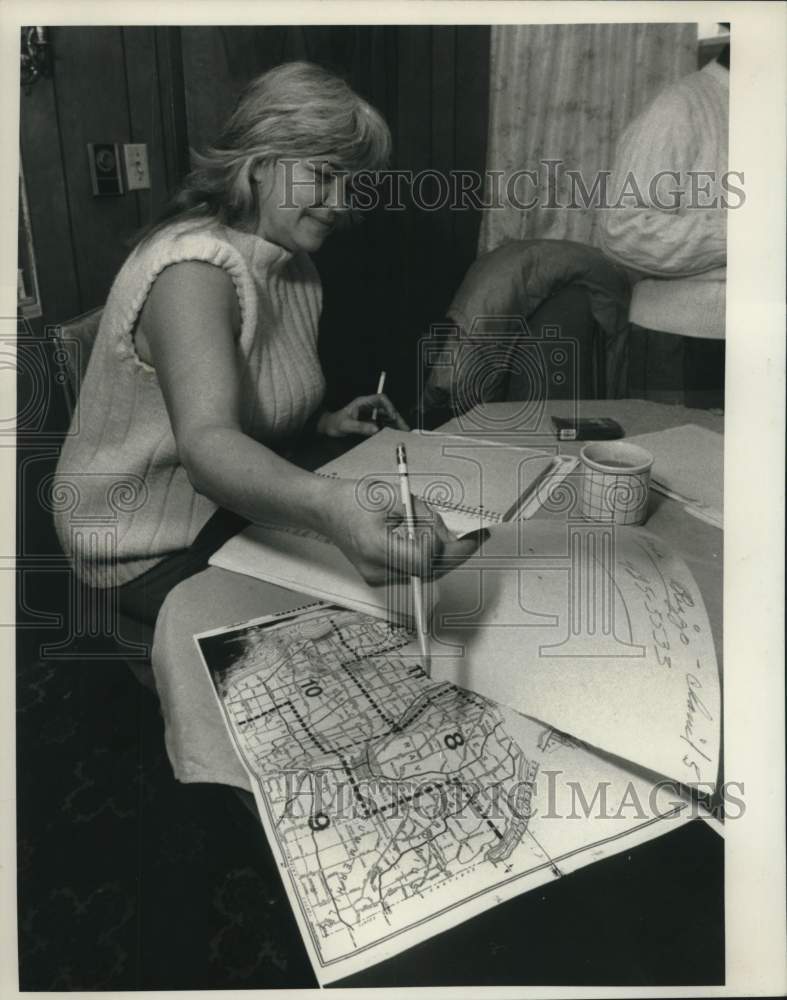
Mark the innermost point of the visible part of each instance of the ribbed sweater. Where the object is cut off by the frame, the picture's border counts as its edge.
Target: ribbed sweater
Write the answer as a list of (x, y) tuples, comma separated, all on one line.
[(123, 500), (680, 254)]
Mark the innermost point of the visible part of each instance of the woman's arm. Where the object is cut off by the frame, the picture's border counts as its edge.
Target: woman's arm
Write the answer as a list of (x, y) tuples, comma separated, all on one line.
[(191, 323)]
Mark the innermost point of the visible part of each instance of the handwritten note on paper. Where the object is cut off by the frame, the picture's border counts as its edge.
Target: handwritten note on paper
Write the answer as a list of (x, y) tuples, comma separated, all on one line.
[(597, 630)]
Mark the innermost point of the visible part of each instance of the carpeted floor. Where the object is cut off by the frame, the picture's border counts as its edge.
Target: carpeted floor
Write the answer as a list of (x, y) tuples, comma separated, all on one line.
[(128, 880)]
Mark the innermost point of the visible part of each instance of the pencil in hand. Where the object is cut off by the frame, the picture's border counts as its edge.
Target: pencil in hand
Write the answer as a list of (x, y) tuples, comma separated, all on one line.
[(380, 387), (415, 581)]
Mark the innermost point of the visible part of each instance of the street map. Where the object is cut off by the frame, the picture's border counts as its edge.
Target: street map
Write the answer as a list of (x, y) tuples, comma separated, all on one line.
[(397, 806)]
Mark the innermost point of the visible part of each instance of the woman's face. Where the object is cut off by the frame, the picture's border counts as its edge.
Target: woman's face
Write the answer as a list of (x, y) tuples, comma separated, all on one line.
[(300, 201)]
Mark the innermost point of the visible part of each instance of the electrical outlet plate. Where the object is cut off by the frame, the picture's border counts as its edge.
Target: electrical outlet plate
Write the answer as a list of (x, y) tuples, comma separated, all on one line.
[(105, 175), (137, 171)]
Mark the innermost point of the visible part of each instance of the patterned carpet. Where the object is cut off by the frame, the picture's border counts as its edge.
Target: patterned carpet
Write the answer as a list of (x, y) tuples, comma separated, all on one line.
[(128, 880)]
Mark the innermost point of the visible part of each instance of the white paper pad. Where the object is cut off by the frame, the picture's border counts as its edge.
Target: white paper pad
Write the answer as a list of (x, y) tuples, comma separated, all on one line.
[(599, 631), (689, 467), (471, 483), (309, 564)]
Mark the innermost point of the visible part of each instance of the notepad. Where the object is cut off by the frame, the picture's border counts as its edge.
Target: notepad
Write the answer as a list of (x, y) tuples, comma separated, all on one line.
[(472, 484), (311, 564), (602, 633)]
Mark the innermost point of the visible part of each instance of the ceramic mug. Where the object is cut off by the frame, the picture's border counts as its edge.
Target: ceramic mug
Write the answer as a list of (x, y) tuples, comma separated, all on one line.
[(615, 482)]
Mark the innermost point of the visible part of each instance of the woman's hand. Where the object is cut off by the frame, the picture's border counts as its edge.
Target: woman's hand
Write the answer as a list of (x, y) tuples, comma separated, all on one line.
[(356, 417), (376, 541)]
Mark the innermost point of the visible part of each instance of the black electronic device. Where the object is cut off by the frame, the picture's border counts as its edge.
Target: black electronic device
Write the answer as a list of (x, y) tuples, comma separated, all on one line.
[(587, 429)]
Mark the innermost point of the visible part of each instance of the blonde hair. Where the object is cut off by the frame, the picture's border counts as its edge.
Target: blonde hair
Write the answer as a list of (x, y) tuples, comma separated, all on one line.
[(296, 111)]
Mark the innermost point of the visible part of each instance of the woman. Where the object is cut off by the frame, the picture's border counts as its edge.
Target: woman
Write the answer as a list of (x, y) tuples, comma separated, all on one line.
[(206, 360)]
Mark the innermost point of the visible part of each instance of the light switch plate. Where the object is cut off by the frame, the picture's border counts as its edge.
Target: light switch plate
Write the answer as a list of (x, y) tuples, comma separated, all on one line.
[(137, 171)]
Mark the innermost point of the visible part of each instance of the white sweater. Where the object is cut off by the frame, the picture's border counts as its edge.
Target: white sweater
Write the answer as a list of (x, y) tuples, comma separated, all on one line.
[(682, 251), (122, 499)]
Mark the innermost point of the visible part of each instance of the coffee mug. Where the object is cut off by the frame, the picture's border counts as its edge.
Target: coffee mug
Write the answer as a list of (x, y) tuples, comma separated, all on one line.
[(615, 482)]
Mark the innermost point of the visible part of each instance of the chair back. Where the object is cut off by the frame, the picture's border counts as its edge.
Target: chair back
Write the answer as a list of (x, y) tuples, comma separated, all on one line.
[(76, 337)]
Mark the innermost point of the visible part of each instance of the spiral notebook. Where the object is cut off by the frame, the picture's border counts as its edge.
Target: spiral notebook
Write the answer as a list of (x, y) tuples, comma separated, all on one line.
[(472, 484)]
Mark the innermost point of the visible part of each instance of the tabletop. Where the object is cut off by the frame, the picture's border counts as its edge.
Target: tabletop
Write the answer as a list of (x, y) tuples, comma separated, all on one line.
[(698, 543), (674, 890)]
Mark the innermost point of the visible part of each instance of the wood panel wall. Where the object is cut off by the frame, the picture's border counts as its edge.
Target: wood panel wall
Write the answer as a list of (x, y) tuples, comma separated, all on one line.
[(109, 85)]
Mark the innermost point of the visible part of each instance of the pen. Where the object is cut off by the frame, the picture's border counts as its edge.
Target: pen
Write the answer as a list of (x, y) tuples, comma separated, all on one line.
[(380, 387), (418, 597)]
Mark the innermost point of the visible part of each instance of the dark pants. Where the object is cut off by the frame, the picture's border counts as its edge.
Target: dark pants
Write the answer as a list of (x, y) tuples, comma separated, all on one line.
[(664, 367), (567, 311), (669, 368), (140, 600)]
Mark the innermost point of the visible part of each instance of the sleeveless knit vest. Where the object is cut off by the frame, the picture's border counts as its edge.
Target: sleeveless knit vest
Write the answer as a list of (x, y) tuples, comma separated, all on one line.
[(121, 499)]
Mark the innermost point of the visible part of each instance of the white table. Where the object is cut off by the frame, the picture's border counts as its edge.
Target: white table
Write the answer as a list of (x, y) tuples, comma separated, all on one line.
[(197, 742)]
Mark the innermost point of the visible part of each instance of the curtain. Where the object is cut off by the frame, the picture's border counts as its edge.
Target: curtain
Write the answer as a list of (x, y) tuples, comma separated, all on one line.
[(564, 93)]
